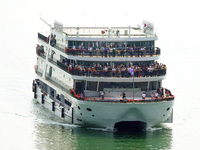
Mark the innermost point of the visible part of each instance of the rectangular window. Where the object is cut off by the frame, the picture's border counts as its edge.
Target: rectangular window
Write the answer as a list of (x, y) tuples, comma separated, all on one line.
[(91, 85), (115, 86), (70, 44), (141, 85), (152, 85), (137, 44)]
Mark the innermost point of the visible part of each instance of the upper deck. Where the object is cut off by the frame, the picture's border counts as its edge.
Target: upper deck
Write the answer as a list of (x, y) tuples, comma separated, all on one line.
[(143, 32), (104, 44), (119, 53), (107, 34)]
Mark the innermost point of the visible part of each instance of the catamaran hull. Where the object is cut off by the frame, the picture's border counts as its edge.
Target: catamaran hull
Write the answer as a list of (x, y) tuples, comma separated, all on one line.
[(108, 114), (104, 114)]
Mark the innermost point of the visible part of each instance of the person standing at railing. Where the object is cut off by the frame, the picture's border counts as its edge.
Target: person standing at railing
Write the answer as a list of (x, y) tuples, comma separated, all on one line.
[(113, 71), (114, 51), (142, 51), (106, 51), (160, 91), (123, 95), (105, 70), (97, 51), (145, 50), (135, 71), (102, 95), (93, 71), (74, 50), (131, 51), (82, 51), (150, 70), (165, 70), (136, 52), (139, 71), (143, 96), (70, 68), (110, 51), (156, 95), (109, 71), (157, 51), (53, 40), (123, 71), (79, 48), (122, 52), (40, 50), (79, 70), (83, 71), (102, 51), (151, 51), (90, 51), (130, 71), (120, 97), (152, 95), (89, 71), (65, 63), (127, 52), (101, 71), (98, 68), (156, 69), (166, 93)]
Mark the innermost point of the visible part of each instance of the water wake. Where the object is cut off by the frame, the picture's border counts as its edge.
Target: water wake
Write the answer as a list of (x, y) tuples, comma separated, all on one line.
[(103, 129), (160, 127)]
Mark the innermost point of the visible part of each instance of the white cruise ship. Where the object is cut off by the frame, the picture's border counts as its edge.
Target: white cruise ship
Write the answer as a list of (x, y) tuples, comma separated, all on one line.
[(106, 77)]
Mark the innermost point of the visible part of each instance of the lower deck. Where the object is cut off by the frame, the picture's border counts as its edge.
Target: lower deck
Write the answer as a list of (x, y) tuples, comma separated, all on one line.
[(127, 96), (101, 111)]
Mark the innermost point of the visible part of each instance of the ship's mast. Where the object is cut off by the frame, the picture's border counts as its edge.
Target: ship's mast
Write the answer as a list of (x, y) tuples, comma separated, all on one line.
[(47, 56)]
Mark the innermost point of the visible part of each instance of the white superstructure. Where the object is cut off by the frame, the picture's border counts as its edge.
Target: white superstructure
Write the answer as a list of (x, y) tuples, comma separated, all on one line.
[(102, 76)]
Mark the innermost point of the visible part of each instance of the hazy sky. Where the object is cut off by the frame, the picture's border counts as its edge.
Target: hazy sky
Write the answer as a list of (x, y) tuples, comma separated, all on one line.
[(103, 12), (172, 17)]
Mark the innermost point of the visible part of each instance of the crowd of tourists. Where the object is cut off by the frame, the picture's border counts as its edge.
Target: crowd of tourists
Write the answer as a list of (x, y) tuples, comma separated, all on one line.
[(40, 50), (52, 39), (107, 51), (160, 92), (122, 70)]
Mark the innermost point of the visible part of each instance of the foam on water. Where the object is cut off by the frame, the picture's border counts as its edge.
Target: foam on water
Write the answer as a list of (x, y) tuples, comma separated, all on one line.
[(103, 129), (50, 122)]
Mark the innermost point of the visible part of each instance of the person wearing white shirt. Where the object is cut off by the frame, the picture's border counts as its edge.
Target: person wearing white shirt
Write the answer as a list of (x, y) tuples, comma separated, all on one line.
[(143, 96), (110, 51), (90, 51), (142, 51), (156, 95), (74, 50)]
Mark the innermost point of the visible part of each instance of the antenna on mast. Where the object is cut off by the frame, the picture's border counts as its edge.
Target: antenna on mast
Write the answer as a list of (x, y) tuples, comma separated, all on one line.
[(45, 21)]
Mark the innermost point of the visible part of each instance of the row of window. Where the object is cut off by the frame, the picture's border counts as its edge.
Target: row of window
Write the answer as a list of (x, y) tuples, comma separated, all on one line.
[(90, 63), (92, 85), (118, 45)]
